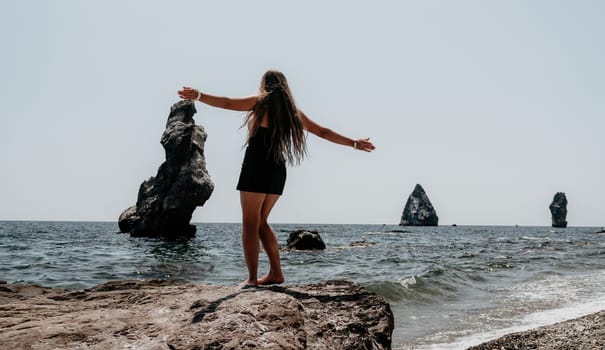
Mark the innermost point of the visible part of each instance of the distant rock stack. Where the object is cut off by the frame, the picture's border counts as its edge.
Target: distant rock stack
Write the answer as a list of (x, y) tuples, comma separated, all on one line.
[(558, 209), (166, 202), (418, 210)]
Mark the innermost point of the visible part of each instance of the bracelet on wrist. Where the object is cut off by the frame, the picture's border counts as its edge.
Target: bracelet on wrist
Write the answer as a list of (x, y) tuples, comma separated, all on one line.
[(199, 95), (355, 144)]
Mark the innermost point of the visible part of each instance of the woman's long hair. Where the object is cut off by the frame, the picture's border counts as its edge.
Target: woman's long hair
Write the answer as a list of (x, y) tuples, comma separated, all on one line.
[(287, 132)]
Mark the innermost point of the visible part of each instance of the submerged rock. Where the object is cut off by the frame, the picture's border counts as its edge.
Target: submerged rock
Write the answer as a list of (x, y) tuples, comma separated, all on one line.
[(558, 210), (397, 231), (158, 314), (418, 210), (363, 244), (166, 202), (305, 240)]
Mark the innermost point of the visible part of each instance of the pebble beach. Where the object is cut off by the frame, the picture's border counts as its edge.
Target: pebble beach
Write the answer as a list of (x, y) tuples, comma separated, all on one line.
[(586, 333)]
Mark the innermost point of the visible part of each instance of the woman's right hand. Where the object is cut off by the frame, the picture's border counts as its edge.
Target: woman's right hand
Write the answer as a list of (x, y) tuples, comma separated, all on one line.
[(189, 93)]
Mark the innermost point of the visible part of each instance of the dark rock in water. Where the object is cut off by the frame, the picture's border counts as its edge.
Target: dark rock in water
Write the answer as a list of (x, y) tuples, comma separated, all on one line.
[(558, 209), (157, 314), (166, 202), (305, 240), (397, 231), (418, 210), (128, 219), (602, 230)]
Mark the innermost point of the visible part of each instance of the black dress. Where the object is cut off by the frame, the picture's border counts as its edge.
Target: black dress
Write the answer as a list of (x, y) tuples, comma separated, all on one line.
[(260, 172)]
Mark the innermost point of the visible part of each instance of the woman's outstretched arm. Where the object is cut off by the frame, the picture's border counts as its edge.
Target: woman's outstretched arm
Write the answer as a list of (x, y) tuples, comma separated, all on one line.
[(234, 104), (330, 135)]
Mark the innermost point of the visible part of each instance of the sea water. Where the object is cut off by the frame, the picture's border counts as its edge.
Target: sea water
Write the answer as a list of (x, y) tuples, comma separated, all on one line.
[(449, 287)]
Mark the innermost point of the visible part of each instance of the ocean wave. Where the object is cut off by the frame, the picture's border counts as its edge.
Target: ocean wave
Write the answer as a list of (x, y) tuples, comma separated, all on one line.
[(430, 286), (463, 339)]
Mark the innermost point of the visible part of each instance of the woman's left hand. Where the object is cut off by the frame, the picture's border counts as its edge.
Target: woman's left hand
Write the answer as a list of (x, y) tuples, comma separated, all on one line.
[(364, 145)]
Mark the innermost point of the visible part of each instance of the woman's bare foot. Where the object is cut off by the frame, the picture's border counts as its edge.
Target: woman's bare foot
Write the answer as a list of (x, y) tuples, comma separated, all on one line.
[(269, 279), (248, 284)]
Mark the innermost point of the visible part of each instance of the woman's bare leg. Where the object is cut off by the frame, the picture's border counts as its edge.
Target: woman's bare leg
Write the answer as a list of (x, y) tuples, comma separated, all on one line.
[(269, 240), (251, 219)]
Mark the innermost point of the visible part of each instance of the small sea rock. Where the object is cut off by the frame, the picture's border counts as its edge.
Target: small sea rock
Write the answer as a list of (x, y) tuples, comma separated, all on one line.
[(397, 231), (305, 240)]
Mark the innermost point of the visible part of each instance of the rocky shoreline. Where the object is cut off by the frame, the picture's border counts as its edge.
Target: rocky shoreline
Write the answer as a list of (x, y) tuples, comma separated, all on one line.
[(170, 315), (586, 333)]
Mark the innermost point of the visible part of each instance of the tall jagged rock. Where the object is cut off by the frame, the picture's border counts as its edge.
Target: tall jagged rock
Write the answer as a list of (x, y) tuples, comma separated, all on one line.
[(558, 209), (166, 202), (418, 210)]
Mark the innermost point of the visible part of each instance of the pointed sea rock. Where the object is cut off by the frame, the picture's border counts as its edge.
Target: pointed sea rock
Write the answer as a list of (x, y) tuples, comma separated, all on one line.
[(558, 209), (166, 202), (418, 210)]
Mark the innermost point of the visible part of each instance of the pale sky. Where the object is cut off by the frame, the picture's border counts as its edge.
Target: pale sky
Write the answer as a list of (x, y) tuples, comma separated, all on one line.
[(493, 106)]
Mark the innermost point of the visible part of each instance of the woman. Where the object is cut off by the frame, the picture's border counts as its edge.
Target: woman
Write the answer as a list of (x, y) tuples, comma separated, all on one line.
[(275, 137)]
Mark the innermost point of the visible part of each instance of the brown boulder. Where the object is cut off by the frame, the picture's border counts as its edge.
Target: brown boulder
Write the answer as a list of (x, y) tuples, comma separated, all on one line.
[(159, 314)]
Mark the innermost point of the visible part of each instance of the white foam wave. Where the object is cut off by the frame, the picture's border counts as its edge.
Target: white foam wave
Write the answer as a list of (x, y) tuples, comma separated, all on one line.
[(407, 282), (534, 320), (568, 297)]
